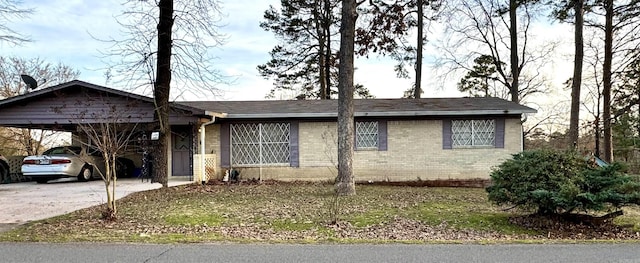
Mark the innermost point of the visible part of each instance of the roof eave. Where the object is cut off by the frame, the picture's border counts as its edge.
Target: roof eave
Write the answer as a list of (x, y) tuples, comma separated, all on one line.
[(68, 84), (378, 114), (215, 114)]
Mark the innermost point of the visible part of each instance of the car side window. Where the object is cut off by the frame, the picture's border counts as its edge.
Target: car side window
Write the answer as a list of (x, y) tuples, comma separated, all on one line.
[(61, 151)]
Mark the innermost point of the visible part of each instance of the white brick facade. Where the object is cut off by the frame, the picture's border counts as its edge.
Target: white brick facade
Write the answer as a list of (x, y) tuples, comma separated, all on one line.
[(415, 152)]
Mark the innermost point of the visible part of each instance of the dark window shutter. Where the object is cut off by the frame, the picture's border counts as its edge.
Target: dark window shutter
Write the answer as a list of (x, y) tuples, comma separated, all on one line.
[(499, 133), (225, 140), (447, 143), (382, 135), (355, 135), (294, 149)]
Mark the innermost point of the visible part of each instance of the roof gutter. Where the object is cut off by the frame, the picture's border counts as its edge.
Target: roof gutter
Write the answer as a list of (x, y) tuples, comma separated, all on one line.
[(378, 114)]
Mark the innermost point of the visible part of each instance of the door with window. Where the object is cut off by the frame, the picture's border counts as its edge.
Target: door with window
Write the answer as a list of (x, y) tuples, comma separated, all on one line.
[(181, 150)]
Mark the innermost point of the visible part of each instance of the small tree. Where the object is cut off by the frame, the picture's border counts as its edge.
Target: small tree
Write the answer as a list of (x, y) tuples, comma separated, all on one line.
[(562, 183), (111, 139), (107, 129)]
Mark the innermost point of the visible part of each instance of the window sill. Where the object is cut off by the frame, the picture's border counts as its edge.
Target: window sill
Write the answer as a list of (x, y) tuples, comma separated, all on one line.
[(261, 165), (366, 149), (475, 147)]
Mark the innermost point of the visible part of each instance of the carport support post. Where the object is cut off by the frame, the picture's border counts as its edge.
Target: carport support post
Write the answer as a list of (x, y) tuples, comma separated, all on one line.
[(202, 148)]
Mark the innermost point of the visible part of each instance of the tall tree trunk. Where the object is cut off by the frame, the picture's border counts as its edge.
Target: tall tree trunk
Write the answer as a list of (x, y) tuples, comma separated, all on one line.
[(322, 63), (577, 75), (327, 69), (345, 183), (327, 32), (323, 79), (596, 124), (417, 92), (638, 120), (515, 69), (596, 128), (161, 89), (318, 16), (606, 79)]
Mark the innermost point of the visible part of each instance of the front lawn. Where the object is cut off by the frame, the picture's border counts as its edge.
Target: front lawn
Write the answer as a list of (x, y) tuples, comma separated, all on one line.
[(305, 213)]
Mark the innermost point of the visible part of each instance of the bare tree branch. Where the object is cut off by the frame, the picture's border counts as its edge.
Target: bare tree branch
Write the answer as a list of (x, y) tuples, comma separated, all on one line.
[(11, 10)]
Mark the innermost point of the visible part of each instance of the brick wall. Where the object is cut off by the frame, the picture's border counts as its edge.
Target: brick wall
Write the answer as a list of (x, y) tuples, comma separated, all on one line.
[(414, 153), (212, 147)]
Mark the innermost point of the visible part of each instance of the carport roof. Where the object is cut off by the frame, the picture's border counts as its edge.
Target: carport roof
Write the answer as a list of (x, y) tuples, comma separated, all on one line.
[(63, 106), (49, 90)]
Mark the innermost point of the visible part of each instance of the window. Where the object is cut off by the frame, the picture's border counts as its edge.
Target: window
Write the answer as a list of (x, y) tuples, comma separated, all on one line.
[(366, 135), (466, 133), (260, 143)]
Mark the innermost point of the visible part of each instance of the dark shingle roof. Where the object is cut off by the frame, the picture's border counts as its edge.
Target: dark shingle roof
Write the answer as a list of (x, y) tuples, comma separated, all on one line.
[(315, 108), (371, 107), (46, 92)]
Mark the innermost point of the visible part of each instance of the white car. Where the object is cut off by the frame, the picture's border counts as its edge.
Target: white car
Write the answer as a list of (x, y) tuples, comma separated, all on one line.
[(69, 161)]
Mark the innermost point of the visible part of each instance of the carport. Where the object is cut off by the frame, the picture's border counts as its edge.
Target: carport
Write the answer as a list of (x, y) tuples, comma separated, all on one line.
[(64, 107)]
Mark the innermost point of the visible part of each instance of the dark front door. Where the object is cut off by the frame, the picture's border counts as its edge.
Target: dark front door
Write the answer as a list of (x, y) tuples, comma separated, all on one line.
[(181, 152)]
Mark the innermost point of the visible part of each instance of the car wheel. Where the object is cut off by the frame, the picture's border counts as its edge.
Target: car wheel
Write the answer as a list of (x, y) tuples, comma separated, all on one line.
[(41, 181), (86, 174)]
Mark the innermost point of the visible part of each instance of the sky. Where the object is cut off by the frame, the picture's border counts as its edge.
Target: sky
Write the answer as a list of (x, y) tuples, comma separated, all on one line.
[(66, 32)]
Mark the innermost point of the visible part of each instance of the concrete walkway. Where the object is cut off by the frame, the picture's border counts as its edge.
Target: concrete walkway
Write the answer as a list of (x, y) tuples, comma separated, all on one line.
[(24, 202)]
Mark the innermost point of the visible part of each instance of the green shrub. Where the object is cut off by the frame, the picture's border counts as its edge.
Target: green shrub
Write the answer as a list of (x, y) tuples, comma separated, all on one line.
[(561, 182)]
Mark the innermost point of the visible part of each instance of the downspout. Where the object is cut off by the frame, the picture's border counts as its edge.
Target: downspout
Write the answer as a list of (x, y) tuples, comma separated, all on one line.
[(522, 140), (202, 145)]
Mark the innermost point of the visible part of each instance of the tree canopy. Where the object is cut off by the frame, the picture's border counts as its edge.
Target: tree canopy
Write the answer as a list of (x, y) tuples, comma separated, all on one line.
[(306, 59)]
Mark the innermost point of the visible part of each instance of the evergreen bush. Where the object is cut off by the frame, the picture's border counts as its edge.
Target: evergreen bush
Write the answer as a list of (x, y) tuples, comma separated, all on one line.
[(553, 182)]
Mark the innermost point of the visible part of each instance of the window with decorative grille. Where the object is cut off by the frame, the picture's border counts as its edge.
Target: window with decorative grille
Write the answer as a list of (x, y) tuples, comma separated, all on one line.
[(366, 135), (255, 144), (466, 133)]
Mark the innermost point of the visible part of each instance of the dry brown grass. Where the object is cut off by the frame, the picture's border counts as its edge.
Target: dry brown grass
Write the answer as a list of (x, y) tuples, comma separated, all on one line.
[(302, 212)]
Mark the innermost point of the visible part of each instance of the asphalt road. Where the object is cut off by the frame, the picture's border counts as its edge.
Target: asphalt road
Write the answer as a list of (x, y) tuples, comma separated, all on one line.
[(90, 252)]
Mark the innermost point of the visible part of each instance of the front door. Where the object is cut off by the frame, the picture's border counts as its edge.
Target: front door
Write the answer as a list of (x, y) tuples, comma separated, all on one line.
[(181, 152)]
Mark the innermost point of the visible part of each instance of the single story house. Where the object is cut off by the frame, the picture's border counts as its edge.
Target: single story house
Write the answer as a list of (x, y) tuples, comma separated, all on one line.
[(395, 139)]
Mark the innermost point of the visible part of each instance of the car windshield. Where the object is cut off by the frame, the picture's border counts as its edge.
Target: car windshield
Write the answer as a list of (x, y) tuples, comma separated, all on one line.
[(63, 150)]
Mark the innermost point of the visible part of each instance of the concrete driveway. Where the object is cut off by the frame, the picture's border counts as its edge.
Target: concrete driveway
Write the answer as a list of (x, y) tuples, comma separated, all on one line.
[(24, 202)]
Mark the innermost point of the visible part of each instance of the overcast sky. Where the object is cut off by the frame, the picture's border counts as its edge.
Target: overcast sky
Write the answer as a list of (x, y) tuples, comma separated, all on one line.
[(62, 32)]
